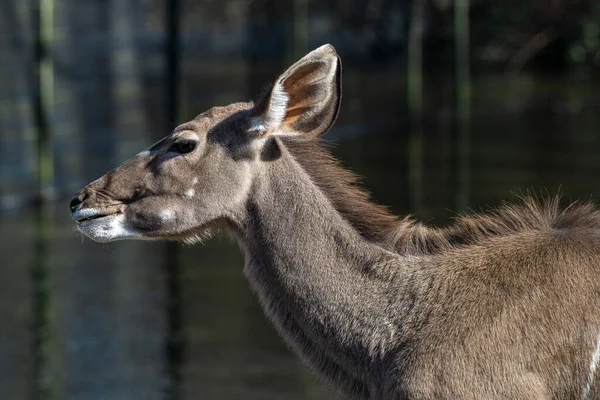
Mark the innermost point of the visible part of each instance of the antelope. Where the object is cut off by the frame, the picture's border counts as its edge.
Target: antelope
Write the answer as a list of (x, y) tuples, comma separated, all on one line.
[(503, 305)]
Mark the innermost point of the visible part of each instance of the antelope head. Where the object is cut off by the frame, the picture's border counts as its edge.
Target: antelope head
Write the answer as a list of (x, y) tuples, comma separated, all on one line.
[(201, 174)]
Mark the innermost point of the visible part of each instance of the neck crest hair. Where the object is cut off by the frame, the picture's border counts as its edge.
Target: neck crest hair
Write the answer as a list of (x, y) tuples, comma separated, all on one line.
[(409, 237), (374, 222)]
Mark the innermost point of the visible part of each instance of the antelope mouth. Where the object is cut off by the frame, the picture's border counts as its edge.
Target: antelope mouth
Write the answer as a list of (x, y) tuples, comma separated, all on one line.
[(102, 226), (90, 214)]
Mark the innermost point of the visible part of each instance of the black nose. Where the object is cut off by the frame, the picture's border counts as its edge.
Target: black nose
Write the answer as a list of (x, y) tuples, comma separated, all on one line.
[(76, 201)]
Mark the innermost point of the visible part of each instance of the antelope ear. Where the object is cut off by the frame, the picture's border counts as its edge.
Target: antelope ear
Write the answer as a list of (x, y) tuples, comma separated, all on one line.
[(304, 100)]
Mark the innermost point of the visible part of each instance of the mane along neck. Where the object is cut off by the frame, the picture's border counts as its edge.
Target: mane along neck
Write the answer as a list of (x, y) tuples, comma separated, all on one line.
[(408, 237), (372, 221)]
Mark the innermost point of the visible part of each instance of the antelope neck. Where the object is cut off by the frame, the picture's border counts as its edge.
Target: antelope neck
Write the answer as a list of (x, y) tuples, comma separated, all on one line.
[(310, 269)]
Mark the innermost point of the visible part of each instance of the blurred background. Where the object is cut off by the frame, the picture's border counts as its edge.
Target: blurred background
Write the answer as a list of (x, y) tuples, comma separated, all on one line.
[(448, 105)]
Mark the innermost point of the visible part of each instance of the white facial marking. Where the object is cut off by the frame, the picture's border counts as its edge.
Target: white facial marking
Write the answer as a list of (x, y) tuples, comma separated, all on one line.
[(189, 135), (190, 194), (275, 113), (165, 215), (593, 366), (107, 229), (143, 153)]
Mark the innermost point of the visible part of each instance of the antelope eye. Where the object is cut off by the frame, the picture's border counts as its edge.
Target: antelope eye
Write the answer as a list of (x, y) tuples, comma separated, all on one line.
[(183, 146)]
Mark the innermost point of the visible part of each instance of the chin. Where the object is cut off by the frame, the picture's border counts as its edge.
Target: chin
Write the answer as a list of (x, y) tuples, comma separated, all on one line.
[(108, 228)]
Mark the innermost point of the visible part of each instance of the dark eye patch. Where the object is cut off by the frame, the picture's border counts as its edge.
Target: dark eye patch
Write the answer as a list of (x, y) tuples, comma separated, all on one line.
[(183, 146)]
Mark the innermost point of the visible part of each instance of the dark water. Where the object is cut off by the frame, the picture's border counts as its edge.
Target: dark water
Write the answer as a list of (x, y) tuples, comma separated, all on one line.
[(133, 320)]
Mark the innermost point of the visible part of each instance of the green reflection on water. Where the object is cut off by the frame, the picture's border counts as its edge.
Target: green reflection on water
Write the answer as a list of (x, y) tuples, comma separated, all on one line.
[(463, 98), (44, 337), (174, 340)]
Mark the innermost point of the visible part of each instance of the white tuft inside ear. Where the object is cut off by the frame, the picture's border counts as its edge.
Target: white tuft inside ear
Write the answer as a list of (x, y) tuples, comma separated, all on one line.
[(275, 113)]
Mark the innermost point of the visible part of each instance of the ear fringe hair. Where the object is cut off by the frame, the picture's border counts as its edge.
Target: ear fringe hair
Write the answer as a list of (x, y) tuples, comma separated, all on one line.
[(275, 112)]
